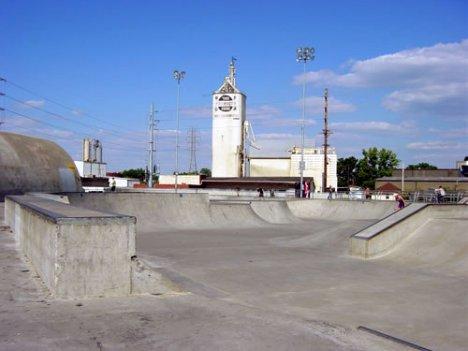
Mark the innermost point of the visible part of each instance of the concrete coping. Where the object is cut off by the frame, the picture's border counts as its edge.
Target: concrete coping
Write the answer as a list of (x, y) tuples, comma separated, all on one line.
[(389, 221), (59, 212)]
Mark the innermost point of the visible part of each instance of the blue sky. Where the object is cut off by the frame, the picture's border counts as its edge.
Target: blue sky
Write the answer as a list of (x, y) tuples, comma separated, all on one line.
[(396, 72)]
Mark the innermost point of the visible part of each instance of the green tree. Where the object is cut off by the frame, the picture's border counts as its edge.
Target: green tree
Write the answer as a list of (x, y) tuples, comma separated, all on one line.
[(346, 171), (138, 173), (206, 171), (421, 165), (374, 164)]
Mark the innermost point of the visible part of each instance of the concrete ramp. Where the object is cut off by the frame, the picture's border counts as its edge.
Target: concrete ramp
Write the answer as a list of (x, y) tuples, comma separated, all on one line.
[(274, 211), (226, 214), (340, 210), (393, 231), (441, 244), (153, 211)]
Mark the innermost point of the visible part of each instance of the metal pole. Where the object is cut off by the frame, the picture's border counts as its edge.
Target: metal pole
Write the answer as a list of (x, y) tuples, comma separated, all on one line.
[(178, 76), (303, 55), (151, 147), (177, 137), (302, 165)]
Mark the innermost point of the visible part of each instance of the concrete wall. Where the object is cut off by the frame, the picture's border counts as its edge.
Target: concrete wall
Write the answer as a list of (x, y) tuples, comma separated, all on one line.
[(32, 164), (77, 253)]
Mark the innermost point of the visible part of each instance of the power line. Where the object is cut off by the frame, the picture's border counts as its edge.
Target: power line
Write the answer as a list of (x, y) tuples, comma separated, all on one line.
[(53, 101), (56, 115)]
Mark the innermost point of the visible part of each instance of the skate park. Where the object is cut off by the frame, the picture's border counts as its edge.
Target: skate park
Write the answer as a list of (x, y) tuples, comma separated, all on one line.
[(229, 273)]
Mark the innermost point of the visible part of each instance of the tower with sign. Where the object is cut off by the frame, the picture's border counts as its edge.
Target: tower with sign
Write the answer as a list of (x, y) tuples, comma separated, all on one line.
[(228, 128)]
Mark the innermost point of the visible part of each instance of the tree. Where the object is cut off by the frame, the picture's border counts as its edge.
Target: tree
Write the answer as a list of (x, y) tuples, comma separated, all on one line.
[(346, 171), (206, 171), (421, 165), (138, 173), (374, 164)]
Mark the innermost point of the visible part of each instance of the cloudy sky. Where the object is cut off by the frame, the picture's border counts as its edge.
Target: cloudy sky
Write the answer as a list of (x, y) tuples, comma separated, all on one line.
[(397, 74)]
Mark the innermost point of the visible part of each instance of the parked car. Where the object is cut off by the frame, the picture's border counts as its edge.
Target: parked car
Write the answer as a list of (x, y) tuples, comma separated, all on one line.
[(356, 193)]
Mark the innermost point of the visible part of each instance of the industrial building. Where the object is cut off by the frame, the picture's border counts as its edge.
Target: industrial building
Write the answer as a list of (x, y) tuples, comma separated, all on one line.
[(230, 131), (289, 166), (228, 124)]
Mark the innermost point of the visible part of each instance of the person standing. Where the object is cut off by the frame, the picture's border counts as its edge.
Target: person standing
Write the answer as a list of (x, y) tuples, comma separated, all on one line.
[(440, 194), (367, 194), (400, 202), (330, 192), (306, 189), (113, 183)]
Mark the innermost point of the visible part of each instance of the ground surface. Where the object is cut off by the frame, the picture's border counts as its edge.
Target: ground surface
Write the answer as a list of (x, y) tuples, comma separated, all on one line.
[(304, 271), (268, 287)]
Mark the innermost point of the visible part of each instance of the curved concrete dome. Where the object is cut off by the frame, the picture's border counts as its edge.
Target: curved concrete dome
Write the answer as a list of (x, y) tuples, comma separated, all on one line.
[(32, 164)]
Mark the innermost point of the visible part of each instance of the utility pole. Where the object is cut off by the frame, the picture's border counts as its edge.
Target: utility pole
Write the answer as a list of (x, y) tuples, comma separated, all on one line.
[(193, 150), (151, 148), (178, 76), (303, 55), (326, 132)]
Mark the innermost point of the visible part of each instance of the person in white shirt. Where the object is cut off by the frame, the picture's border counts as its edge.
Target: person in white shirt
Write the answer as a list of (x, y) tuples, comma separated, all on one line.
[(440, 194)]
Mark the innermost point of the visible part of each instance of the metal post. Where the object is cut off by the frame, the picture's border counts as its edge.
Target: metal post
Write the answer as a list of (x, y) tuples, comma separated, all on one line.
[(302, 165), (178, 76), (303, 55), (151, 147)]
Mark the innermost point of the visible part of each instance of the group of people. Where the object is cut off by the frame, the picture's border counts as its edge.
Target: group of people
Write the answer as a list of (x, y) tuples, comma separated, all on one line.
[(307, 188)]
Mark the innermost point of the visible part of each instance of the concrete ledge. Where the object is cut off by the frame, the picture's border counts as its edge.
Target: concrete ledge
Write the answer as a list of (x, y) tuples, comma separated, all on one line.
[(76, 252), (379, 238)]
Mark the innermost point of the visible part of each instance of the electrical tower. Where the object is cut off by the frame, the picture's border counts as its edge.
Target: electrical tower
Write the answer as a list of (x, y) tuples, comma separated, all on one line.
[(326, 133), (151, 145), (193, 140)]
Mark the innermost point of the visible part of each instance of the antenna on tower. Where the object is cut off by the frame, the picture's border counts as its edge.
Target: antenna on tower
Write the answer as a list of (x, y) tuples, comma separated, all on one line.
[(232, 71)]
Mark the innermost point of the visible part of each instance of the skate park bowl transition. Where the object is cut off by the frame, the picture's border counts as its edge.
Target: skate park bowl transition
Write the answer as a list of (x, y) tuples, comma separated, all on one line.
[(294, 256), (30, 164)]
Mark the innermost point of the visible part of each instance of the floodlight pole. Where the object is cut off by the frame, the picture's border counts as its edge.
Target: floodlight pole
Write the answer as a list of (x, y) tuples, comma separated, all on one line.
[(303, 55), (178, 76)]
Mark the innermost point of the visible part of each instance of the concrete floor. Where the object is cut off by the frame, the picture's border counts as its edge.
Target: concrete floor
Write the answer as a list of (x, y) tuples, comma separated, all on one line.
[(304, 271), (264, 287)]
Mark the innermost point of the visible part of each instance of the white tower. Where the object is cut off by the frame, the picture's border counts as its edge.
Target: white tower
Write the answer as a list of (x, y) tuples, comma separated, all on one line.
[(228, 133)]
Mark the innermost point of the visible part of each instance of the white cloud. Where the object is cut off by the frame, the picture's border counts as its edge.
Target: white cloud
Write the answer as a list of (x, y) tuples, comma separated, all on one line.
[(446, 99), (35, 103), (200, 112), (290, 122), (374, 126), (450, 133), (426, 80), (276, 136), (437, 145), (262, 112), (315, 104)]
